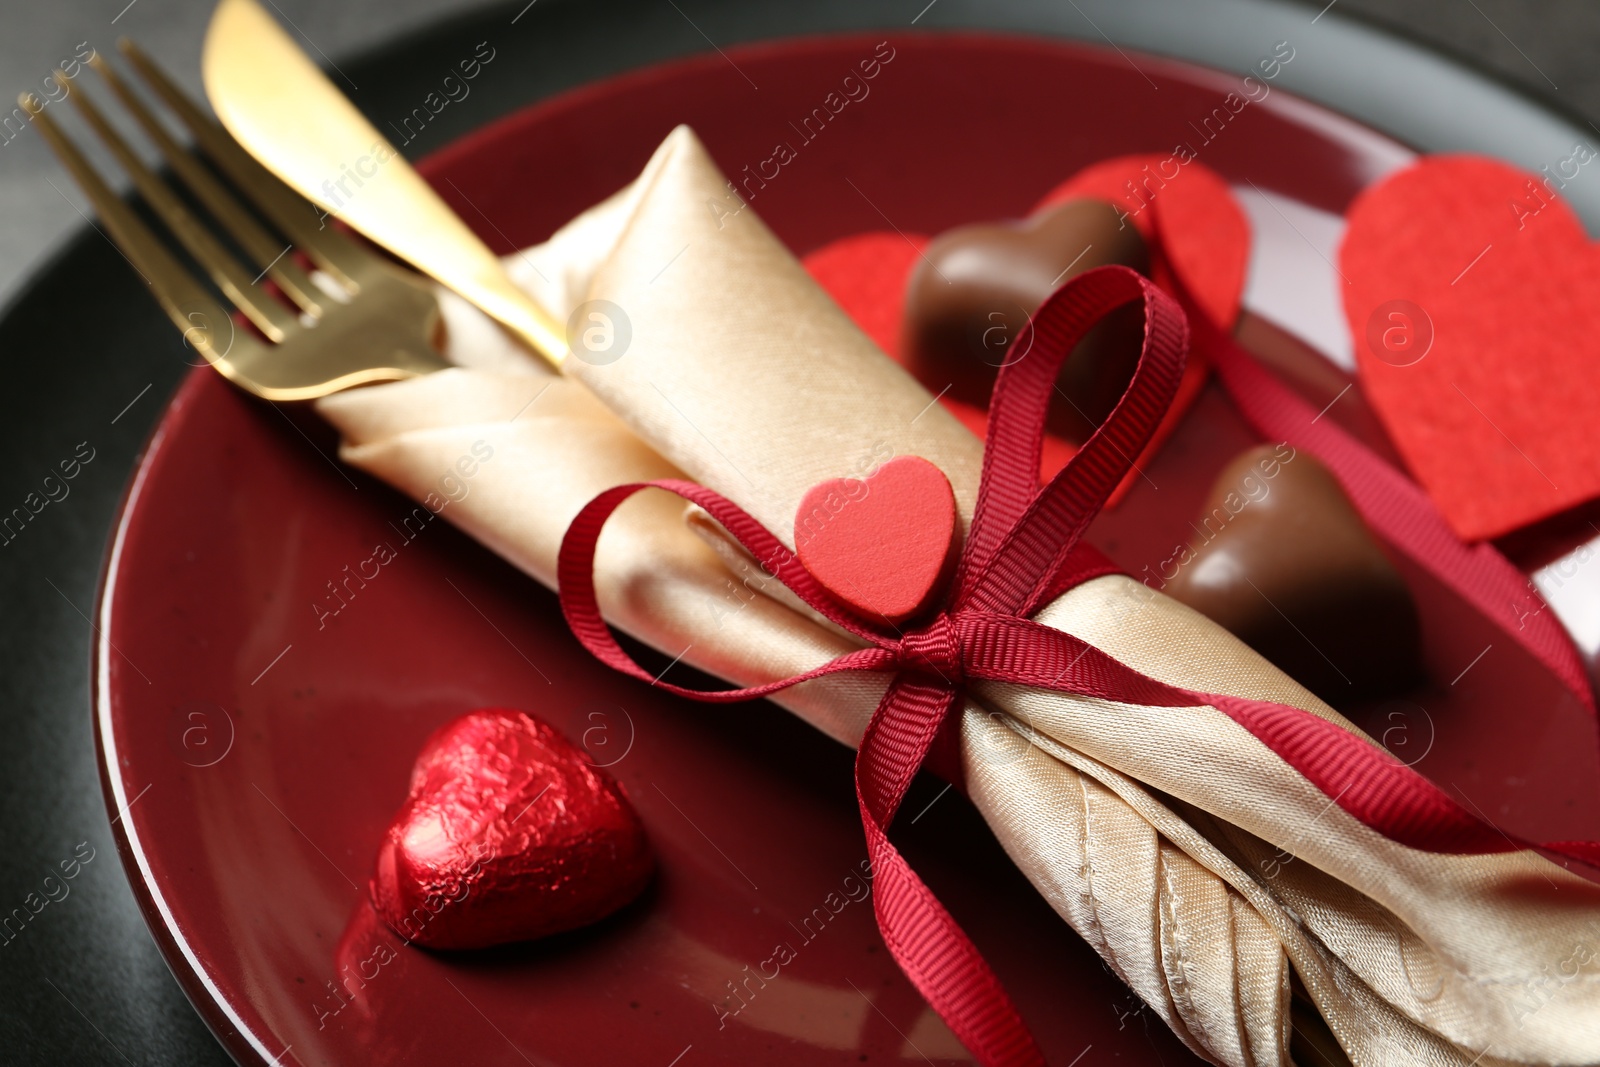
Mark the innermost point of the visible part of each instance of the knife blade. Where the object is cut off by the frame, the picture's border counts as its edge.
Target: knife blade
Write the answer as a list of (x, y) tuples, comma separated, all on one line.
[(286, 113)]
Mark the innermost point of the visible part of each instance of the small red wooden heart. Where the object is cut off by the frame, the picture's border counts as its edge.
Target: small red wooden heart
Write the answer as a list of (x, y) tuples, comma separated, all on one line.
[(1471, 299), (509, 833), (881, 544)]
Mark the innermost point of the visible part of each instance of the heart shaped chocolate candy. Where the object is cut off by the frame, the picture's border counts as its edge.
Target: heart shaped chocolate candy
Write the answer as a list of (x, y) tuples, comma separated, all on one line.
[(509, 833), (975, 287), (1282, 560)]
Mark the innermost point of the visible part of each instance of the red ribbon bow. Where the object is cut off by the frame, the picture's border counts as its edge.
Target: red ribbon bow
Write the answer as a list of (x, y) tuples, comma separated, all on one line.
[(1022, 550)]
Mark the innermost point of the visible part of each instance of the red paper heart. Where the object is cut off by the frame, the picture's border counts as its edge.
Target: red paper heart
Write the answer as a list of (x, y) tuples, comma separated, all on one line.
[(509, 833), (1494, 416), (880, 544), (1206, 233)]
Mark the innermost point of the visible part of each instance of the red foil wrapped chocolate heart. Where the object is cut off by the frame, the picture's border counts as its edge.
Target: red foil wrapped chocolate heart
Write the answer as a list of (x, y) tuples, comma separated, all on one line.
[(508, 833)]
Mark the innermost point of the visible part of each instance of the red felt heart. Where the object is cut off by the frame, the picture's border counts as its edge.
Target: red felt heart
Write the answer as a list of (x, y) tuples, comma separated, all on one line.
[(509, 833), (1206, 233), (1471, 302), (881, 544)]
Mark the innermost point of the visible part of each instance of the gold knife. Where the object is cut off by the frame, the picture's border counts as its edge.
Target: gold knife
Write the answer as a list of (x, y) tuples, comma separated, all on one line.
[(297, 123)]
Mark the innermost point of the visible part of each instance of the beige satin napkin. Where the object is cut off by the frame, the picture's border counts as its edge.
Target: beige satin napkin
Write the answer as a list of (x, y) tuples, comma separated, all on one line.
[(1206, 873)]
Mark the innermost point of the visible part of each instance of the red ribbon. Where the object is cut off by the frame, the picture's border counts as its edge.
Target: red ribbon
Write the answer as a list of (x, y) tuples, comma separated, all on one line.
[(1023, 549)]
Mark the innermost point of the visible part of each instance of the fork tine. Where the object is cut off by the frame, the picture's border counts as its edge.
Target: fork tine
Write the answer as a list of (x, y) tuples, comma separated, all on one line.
[(261, 246), (259, 306), (187, 302), (289, 211)]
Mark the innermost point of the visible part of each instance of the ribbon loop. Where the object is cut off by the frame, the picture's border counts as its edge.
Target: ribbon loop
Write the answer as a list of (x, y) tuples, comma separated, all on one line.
[(1020, 536)]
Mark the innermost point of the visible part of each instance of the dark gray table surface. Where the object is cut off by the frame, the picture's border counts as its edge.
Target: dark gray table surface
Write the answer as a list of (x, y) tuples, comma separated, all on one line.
[(1546, 48), (83, 982)]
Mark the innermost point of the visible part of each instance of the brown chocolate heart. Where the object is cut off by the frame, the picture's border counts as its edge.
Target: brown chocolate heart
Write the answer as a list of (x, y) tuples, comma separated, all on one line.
[(1282, 560), (974, 288)]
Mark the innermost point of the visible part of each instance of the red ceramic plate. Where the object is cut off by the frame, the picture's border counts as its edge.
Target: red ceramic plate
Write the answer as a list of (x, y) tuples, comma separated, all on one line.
[(253, 757)]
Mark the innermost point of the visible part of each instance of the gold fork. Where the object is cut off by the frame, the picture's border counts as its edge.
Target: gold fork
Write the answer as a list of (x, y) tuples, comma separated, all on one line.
[(355, 318)]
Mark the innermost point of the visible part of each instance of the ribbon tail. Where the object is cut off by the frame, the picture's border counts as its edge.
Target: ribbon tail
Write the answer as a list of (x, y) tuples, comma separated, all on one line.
[(1375, 787), (932, 950), (1352, 771)]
